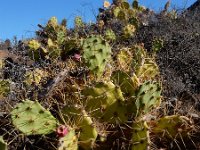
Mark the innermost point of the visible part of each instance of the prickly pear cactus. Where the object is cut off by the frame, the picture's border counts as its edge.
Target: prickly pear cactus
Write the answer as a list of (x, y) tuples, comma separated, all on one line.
[(139, 55), (3, 144), (88, 132), (35, 50), (4, 88), (129, 30), (148, 96), (124, 60), (148, 70), (172, 126), (96, 53), (125, 82), (106, 102), (32, 119), (34, 76), (135, 4), (78, 22), (110, 35), (81, 120), (34, 45), (140, 137), (55, 31), (68, 142)]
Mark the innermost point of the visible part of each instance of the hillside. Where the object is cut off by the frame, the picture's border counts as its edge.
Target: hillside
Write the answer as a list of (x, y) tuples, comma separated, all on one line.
[(129, 81)]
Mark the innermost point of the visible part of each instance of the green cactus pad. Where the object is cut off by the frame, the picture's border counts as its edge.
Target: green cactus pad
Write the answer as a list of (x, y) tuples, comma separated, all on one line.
[(148, 70), (129, 30), (34, 76), (125, 5), (106, 102), (68, 142), (124, 60), (135, 4), (139, 55), (35, 51), (80, 119), (147, 97), (78, 22), (140, 137), (96, 53), (3, 144), (172, 126), (124, 81), (110, 35), (34, 45), (88, 132), (31, 118)]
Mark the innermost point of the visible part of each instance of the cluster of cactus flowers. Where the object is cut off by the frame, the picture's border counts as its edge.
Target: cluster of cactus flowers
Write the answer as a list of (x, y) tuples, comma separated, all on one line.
[(121, 88)]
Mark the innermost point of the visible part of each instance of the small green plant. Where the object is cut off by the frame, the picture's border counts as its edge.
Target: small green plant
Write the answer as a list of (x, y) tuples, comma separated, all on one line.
[(157, 44)]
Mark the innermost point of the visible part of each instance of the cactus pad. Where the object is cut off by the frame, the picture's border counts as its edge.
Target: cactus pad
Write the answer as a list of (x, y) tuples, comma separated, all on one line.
[(32, 119), (88, 132), (140, 137), (69, 142), (105, 101), (129, 30), (34, 76), (148, 70), (172, 126), (3, 144), (78, 22), (96, 53), (147, 97), (110, 35), (124, 59), (124, 81), (80, 119)]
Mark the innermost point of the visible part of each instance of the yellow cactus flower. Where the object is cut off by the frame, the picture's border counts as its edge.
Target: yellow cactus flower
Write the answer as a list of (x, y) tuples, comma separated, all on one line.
[(106, 4)]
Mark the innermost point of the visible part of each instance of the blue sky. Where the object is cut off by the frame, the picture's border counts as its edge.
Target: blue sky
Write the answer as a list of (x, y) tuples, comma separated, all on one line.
[(20, 17)]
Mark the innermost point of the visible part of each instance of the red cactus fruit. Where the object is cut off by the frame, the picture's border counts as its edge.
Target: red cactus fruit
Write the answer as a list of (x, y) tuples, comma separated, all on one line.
[(62, 131), (77, 57)]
